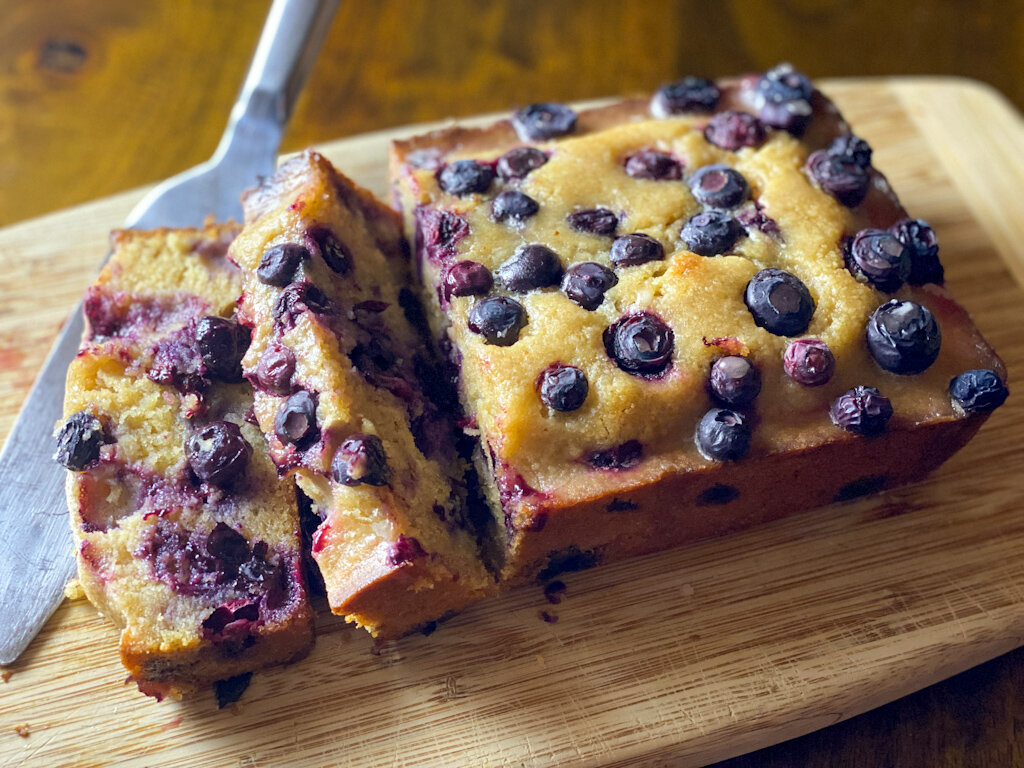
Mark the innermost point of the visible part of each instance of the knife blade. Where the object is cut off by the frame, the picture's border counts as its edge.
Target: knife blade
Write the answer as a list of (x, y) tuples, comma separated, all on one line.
[(36, 545)]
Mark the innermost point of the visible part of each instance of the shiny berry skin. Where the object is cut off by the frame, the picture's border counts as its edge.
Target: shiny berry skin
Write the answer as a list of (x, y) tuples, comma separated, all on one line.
[(840, 177), (360, 460), (517, 163), (587, 282), (531, 266), (465, 177), (498, 319), (513, 205), (79, 441), (809, 362), (779, 302), (222, 344), (466, 278), (335, 253), (876, 257), (651, 164), (297, 298), (980, 390), (563, 387), (723, 435), (734, 380), (734, 130), (275, 369), (711, 233), (903, 337), (640, 344), (923, 247), (852, 148), (279, 263), (595, 221), (295, 422), (861, 410), (691, 94), (719, 186), (637, 248), (538, 122), (784, 96), (218, 454)]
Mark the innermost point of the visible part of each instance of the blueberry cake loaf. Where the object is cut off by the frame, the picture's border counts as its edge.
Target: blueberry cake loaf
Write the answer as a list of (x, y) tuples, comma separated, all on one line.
[(186, 538), (348, 397), (675, 316)]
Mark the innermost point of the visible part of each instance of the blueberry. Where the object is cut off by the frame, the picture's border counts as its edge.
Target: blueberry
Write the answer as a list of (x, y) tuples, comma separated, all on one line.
[(404, 549), (640, 344), (852, 148), (732, 130), (619, 457), (79, 441), (809, 362), (438, 233), (862, 410), (923, 246), (563, 387), (279, 263), (531, 266), (335, 254), (586, 283), (228, 546), (498, 319), (978, 391), (719, 186), (538, 122), (903, 337), (711, 232), (596, 221), (295, 422), (723, 435), (691, 94), (275, 369), (734, 380), (876, 257), (779, 302), (466, 278), (464, 177), (839, 176), (222, 344), (651, 164), (298, 298), (360, 460), (513, 204), (517, 163), (218, 454), (784, 97), (635, 249)]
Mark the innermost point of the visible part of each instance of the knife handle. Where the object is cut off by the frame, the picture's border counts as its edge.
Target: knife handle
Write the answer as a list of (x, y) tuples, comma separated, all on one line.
[(285, 54)]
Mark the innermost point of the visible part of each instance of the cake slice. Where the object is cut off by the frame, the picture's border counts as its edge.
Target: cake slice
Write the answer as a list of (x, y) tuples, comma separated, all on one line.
[(351, 401), (674, 316), (186, 538)]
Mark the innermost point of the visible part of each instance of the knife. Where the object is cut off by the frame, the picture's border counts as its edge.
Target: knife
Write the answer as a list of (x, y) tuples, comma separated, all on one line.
[(36, 546)]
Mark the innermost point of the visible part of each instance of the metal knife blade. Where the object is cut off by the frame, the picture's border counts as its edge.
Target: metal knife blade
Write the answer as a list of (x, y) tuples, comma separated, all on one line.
[(36, 546)]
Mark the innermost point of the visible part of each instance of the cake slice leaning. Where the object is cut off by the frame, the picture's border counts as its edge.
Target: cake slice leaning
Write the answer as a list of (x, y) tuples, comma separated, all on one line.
[(679, 315), (351, 402), (186, 538)]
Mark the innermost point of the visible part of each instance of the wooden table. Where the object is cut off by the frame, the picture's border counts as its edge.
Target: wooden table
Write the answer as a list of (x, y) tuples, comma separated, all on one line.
[(85, 111)]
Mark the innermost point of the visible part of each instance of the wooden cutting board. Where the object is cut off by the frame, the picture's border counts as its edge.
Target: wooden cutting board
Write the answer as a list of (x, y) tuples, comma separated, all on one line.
[(676, 659)]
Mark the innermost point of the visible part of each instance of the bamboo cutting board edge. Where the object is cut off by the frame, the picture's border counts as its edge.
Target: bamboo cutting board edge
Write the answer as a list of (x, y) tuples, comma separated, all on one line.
[(932, 104)]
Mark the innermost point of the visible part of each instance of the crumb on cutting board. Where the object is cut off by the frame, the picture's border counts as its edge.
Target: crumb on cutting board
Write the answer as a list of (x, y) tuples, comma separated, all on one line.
[(73, 590), (5, 676), (23, 730)]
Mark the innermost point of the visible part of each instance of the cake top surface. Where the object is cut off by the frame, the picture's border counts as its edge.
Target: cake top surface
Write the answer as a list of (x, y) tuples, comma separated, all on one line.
[(592, 277)]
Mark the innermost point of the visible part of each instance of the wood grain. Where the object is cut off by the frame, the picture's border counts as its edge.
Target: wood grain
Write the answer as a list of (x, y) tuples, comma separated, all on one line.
[(677, 659)]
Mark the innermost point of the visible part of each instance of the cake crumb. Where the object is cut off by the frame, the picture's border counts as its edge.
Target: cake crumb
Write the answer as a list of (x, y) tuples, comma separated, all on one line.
[(554, 591), (171, 724), (687, 590), (6, 675), (23, 730), (73, 590), (550, 618)]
